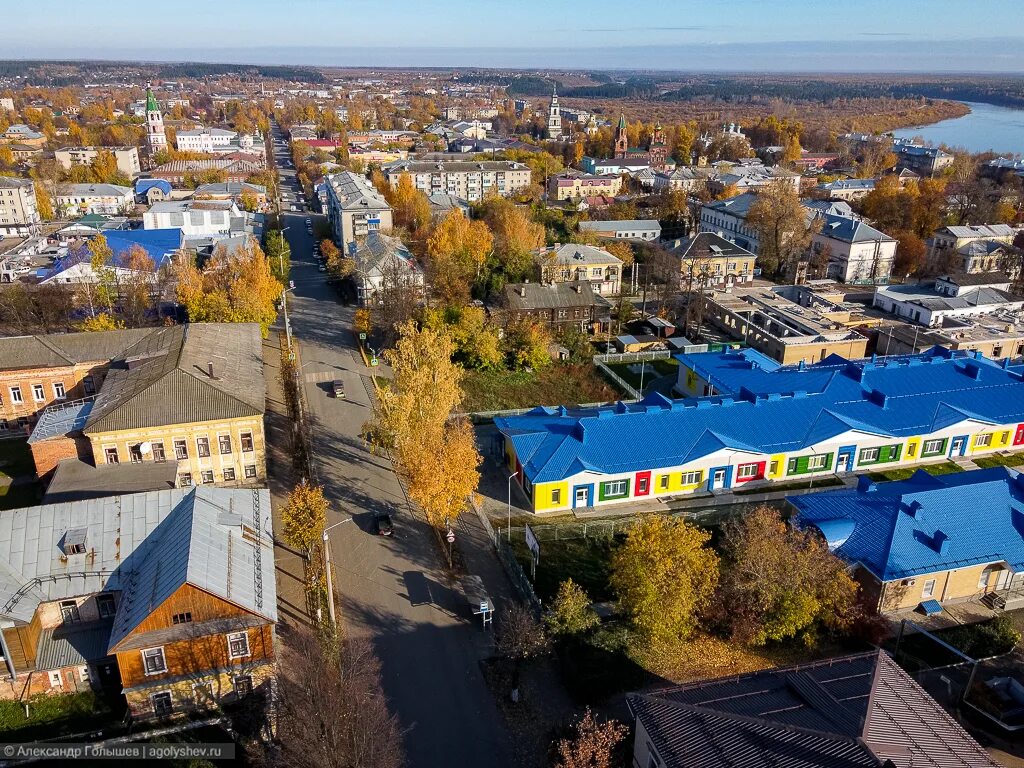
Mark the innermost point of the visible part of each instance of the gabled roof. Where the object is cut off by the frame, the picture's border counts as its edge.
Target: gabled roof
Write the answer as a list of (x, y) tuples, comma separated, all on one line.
[(708, 245), (146, 545), (531, 296), (738, 205), (59, 349), (920, 525), (769, 410), (380, 254), (851, 230), (858, 710), (164, 378), (574, 253), (620, 225), (159, 245), (144, 185)]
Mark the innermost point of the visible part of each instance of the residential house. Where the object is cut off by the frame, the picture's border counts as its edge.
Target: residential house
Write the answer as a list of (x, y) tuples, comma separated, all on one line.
[(39, 371), (815, 161), (354, 208), (765, 422), (856, 711), (728, 218), (19, 133), (441, 204), (6, 103), (201, 219), (19, 216), (744, 177), (631, 229), (218, 141), (981, 256), (948, 245), (25, 153), (191, 392), (469, 180), (952, 296), (844, 189), (927, 161), (82, 199), (232, 190), (554, 304), (384, 263), (855, 251), (149, 191), (573, 262), (910, 542), (168, 597), (576, 186), (684, 178), (709, 260), (127, 158)]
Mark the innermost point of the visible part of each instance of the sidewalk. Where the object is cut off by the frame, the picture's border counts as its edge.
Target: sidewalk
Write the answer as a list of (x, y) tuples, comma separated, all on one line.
[(281, 478)]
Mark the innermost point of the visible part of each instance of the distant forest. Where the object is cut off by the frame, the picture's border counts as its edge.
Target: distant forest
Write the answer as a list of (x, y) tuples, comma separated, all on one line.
[(60, 74)]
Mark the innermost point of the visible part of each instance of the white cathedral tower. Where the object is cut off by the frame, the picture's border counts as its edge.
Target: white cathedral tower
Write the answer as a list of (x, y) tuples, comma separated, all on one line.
[(156, 138), (554, 116)]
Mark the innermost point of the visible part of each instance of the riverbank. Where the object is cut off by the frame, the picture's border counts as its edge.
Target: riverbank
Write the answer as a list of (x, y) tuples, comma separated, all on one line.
[(985, 127)]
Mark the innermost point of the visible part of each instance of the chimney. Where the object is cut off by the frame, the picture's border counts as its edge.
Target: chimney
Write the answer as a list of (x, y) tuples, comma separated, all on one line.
[(209, 369), (940, 541), (522, 291)]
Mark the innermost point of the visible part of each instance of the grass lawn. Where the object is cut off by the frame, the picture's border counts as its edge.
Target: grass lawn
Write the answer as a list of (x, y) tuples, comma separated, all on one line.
[(555, 385), (1010, 460), (15, 458), (18, 496), (655, 369), (52, 716), (946, 468), (586, 561)]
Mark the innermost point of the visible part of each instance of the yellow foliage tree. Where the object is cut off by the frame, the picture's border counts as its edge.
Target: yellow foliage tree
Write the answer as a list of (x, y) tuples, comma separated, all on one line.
[(516, 236), (100, 322), (435, 454), (305, 516), (456, 252), (411, 207), (664, 575), (236, 287)]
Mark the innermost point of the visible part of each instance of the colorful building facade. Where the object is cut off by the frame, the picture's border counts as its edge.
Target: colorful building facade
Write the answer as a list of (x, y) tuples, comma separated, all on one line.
[(766, 422)]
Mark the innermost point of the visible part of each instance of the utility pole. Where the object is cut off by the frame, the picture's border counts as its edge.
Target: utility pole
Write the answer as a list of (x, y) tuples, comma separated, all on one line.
[(284, 293), (327, 568)]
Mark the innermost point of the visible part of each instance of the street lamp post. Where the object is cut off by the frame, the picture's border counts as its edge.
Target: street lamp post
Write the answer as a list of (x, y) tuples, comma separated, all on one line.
[(327, 567), (510, 505), (284, 294)]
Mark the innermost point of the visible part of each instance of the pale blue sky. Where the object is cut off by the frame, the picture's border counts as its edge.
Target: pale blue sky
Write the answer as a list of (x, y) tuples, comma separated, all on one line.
[(979, 35)]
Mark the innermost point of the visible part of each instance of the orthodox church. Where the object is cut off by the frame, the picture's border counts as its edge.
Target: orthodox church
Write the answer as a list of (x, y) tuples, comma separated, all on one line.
[(156, 137), (656, 154)]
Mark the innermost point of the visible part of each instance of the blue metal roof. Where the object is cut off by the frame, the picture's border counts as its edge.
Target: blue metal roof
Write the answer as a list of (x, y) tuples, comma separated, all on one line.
[(926, 524), (768, 411), (159, 244), (142, 186)]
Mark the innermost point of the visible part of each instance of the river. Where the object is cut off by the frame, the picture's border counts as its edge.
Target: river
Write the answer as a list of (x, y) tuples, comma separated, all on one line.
[(987, 127)]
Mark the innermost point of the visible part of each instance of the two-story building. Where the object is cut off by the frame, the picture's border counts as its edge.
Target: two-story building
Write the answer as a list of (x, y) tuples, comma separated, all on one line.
[(628, 229), (856, 252), (728, 218), (191, 393), (554, 304), (82, 199), (577, 186), (709, 260), (167, 596), (127, 158), (573, 262)]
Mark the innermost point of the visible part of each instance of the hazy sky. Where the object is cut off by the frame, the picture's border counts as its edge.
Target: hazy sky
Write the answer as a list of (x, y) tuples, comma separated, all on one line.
[(878, 35)]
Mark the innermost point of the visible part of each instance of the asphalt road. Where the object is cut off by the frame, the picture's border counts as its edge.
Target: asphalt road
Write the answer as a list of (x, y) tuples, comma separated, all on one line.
[(392, 589)]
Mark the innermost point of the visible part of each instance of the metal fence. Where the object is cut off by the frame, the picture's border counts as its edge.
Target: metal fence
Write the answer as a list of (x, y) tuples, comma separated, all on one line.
[(620, 382), (593, 529), (633, 357), (512, 567)]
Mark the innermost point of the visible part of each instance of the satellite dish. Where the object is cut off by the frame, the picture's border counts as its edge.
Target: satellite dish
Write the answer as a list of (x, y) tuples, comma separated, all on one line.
[(145, 447)]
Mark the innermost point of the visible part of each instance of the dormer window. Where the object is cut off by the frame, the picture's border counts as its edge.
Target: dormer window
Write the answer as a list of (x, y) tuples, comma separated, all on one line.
[(74, 541)]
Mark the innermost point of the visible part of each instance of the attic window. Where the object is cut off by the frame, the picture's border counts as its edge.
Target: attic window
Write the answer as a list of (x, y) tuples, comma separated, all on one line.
[(74, 541)]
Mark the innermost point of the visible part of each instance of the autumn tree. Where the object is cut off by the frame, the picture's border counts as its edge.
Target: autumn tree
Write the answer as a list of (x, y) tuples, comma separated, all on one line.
[(571, 612), (457, 250), (520, 636), (233, 287), (361, 321), (780, 582), (593, 744), (100, 322), (136, 284), (436, 454), (410, 206), (476, 339), (248, 201), (782, 226), (102, 291), (332, 711), (304, 517), (528, 344), (874, 158), (279, 254), (516, 237), (665, 575), (910, 253)]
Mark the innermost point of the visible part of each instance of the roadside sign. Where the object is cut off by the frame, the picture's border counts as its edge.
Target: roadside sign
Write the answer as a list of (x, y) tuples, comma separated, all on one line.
[(451, 536), (373, 361), (362, 337), (291, 356), (484, 606), (532, 543)]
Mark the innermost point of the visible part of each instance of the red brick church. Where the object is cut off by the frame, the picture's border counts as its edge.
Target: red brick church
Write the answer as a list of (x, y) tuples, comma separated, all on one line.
[(656, 155)]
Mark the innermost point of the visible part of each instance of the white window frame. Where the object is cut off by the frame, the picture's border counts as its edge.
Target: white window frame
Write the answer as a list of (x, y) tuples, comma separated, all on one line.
[(204, 474), (693, 478), (234, 636), (609, 485), (869, 454), (746, 471), (984, 440), (39, 393), (207, 696), (233, 474), (16, 397), (937, 446), (662, 482), (83, 673), (816, 462), (928, 591), (56, 679), (59, 393), (163, 660)]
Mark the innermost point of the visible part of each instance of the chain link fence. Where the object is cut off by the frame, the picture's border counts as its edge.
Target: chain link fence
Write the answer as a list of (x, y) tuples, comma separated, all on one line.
[(601, 529)]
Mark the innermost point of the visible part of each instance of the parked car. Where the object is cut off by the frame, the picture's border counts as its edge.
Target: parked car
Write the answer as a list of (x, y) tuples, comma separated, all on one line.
[(384, 525), (321, 268)]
